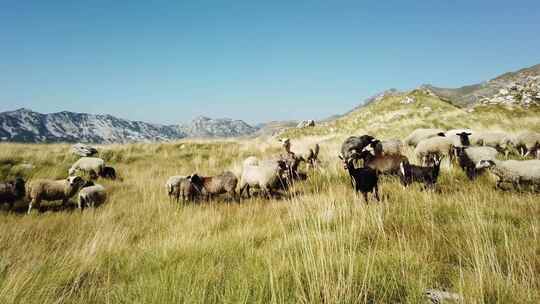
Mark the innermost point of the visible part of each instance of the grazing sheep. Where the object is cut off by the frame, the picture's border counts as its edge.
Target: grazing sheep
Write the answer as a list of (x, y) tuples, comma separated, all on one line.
[(468, 157), (421, 134), (183, 187), (12, 191), (214, 185), (392, 146), (353, 145), (515, 172), (308, 154), (52, 190), (266, 175), (426, 175), (501, 141), (92, 196), (91, 165), (108, 172), (383, 164), (364, 180), (438, 145), (528, 142)]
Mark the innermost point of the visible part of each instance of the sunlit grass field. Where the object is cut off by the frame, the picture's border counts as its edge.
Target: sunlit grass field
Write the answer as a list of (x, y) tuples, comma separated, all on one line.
[(317, 244)]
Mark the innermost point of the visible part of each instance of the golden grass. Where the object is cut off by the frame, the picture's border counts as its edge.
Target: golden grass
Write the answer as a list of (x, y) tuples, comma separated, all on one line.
[(318, 245)]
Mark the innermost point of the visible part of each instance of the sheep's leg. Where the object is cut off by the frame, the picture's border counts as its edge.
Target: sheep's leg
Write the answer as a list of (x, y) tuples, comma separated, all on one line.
[(365, 197), (81, 204), (33, 203), (377, 193)]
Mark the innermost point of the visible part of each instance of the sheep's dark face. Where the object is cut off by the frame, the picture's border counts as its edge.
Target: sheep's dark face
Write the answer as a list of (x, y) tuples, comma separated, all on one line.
[(485, 164), (464, 138), (75, 181)]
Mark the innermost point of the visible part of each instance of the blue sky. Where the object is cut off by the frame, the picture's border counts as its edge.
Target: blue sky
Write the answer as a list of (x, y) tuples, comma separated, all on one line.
[(169, 61)]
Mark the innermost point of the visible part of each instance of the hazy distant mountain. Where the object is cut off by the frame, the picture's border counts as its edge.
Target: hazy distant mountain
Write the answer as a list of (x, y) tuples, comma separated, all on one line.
[(24, 125)]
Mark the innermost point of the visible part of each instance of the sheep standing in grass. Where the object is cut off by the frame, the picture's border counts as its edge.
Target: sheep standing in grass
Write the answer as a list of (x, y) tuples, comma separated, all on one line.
[(515, 172), (501, 141), (364, 180), (92, 196), (392, 146), (308, 154), (468, 157), (383, 164), (528, 143), (93, 166), (181, 187), (438, 145), (419, 135), (353, 145), (52, 190), (427, 175), (12, 191), (214, 185), (266, 175)]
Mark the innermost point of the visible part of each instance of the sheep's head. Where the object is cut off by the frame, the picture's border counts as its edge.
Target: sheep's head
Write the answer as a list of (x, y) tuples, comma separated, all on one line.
[(485, 163), (464, 138), (75, 181)]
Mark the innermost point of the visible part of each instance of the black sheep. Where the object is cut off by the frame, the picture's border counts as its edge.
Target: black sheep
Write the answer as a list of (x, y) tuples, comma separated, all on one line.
[(108, 172), (12, 191), (363, 179), (427, 175)]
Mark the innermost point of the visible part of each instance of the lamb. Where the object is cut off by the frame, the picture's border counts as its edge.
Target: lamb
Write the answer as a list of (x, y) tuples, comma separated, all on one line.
[(266, 175), (179, 186), (392, 146), (528, 143), (501, 141), (468, 157), (364, 180), (353, 145), (91, 165), (426, 175), (383, 164), (419, 135), (214, 185), (438, 145), (515, 172), (52, 190), (12, 191), (92, 196)]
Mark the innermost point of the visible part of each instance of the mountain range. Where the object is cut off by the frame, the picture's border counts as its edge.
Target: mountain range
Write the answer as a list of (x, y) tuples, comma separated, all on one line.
[(521, 88), (24, 125)]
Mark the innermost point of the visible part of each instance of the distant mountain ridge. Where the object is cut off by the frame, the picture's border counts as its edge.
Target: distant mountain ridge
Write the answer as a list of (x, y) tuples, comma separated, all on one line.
[(24, 125)]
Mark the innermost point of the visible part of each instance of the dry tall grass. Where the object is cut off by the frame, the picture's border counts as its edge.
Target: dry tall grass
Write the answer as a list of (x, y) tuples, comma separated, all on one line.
[(319, 245)]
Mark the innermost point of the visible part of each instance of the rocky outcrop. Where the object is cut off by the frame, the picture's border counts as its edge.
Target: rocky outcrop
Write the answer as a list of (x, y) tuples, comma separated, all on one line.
[(306, 124)]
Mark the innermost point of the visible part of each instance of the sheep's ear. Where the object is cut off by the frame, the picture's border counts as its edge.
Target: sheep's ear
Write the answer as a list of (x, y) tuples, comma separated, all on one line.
[(340, 157), (468, 133)]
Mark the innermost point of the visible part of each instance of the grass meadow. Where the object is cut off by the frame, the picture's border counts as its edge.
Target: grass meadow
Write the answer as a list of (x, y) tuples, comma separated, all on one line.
[(317, 244)]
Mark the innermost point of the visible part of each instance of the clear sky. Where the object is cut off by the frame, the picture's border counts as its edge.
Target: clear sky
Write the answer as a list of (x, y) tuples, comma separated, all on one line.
[(169, 61)]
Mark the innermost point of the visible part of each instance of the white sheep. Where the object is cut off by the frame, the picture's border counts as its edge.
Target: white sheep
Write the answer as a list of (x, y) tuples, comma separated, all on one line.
[(516, 172), (309, 154), (420, 134), (468, 157), (387, 147), (92, 196), (438, 145), (496, 139), (528, 142), (266, 175), (91, 165), (52, 190)]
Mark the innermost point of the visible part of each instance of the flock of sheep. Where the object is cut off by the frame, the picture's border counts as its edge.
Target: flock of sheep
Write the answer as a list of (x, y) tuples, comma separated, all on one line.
[(473, 151)]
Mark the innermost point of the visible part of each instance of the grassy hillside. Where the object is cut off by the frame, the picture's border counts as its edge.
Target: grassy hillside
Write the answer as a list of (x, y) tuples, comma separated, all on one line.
[(319, 244), (391, 118)]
